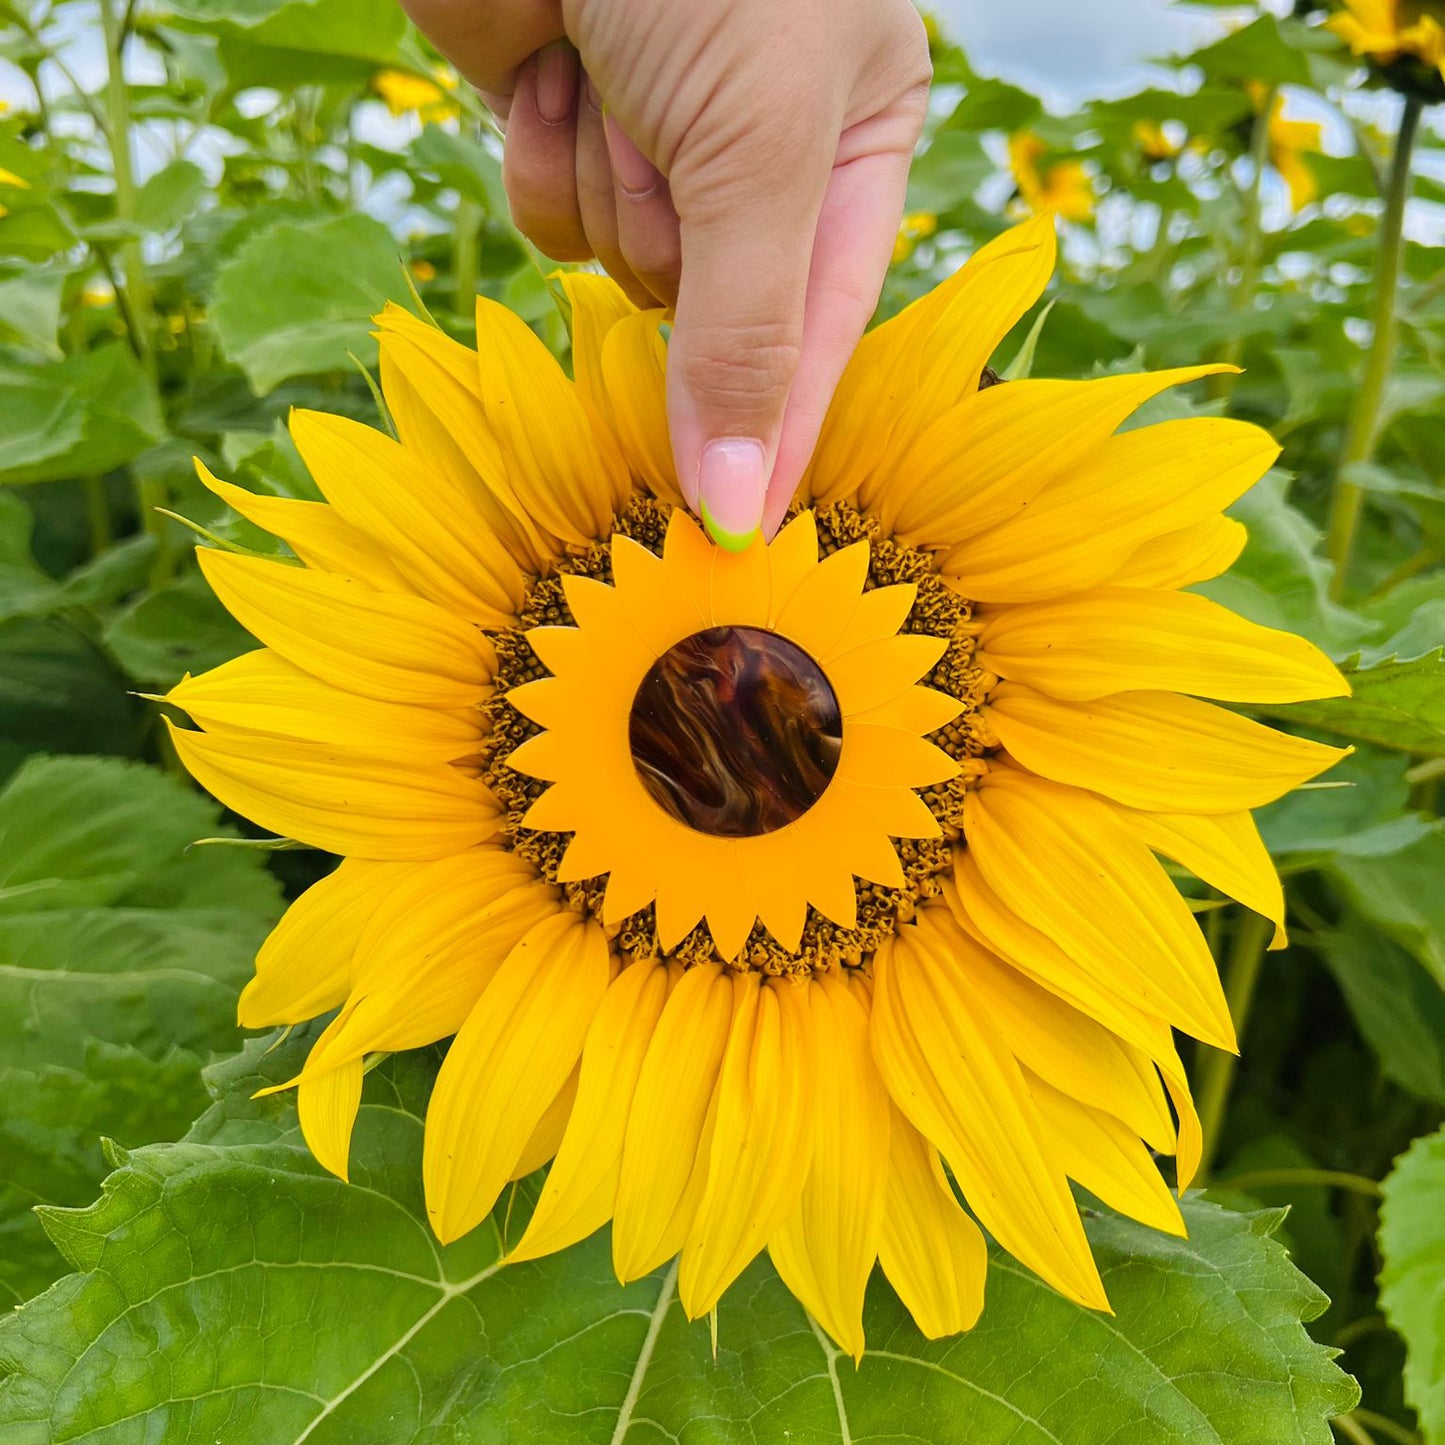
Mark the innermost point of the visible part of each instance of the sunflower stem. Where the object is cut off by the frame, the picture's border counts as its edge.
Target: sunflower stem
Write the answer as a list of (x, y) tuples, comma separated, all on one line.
[(1241, 974), (1251, 233), (1290, 1178), (136, 298), (1363, 430), (464, 261)]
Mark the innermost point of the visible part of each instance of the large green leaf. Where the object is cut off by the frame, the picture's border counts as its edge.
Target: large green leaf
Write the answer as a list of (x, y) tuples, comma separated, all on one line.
[(120, 957), (176, 629), (86, 414), (210, 1274), (1401, 894), (1412, 1284), (1397, 704), (296, 297), (1400, 1009)]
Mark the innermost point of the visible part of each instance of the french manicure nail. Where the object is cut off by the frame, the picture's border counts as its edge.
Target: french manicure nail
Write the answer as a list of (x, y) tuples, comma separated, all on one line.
[(556, 82), (732, 482)]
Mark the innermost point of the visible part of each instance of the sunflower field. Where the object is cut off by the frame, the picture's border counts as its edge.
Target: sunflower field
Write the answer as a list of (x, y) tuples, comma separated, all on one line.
[(242, 244)]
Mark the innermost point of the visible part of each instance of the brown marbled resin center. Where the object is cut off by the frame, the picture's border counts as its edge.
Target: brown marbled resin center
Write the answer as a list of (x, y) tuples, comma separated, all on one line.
[(735, 731)]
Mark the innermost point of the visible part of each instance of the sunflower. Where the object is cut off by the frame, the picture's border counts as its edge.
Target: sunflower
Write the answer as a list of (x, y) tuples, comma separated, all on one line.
[(1395, 34), (405, 91), (783, 899), (1290, 142), (1062, 186)]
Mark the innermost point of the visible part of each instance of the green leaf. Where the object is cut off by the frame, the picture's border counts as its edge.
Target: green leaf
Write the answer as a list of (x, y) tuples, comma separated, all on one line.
[(1402, 895), (87, 414), (1400, 1009), (1395, 704), (25, 590), (1412, 1239), (206, 1266), (1258, 51), (464, 163), (176, 629), (295, 298), (1280, 579), (170, 196), (60, 693), (120, 957), (30, 309), (1365, 817)]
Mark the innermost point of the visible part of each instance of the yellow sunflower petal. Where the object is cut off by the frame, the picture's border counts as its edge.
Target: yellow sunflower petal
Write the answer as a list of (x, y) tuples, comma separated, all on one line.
[(950, 1072), (1182, 558), (598, 304), (431, 951), (825, 1249), (433, 392), (261, 693), (1061, 858), (766, 1105), (992, 455), (1154, 750), (662, 1149), (1087, 524), (569, 474), (634, 371), (397, 649), (1065, 1046), (1119, 639), (933, 1254), (1223, 849), (581, 1189), (326, 1107), (984, 917), (507, 1065), (343, 801), (317, 534), (884, 396), (304, 967), (1106, 1157), (545, 1139), (390, 494)]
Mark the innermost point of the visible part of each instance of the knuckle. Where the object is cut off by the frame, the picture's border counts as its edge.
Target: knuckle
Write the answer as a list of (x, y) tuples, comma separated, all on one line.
[(740, 365)]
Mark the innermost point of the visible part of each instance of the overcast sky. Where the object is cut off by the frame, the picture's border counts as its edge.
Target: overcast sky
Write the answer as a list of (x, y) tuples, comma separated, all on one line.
[(1070, 50)]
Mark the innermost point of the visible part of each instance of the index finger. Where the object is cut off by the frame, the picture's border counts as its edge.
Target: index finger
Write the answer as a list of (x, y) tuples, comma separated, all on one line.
[(488, 40)]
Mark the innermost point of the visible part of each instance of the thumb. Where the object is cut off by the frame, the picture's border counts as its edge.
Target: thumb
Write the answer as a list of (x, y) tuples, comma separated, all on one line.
[(747, 221)]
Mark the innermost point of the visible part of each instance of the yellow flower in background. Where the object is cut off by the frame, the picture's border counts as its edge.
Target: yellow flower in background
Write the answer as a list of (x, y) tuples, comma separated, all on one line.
[(1152, 142), (1386, 30), (1290, 142), (405, 91), (915, 227), (423, 270), (1062, 186), (759, 887)]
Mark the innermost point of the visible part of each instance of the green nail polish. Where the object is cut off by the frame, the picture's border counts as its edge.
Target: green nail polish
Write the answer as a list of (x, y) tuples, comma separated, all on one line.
[(728, 541)]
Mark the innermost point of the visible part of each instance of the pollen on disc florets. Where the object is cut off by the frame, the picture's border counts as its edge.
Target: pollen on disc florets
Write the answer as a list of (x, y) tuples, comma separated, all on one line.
[(937, 611)]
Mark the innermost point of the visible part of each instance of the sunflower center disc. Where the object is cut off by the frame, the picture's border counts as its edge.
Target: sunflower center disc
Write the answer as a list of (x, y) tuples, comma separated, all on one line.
[(735, 731)]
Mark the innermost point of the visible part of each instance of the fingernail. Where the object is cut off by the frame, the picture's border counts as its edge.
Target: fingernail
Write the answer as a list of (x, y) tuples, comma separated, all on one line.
[(556, 82), (732, 481), (594, 96), (635, 173)]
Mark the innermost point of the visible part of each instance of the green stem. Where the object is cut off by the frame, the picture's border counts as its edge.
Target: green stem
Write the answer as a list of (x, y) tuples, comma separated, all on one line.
[(1390, 1429), (1363, 429), (1350, 1429), (118, 130), (1286, 1178), (1241, 973), (97, 515), (465, 255), (1251, 233)]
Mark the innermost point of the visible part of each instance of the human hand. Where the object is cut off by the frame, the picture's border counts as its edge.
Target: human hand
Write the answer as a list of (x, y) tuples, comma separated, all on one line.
[(748, 166)]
